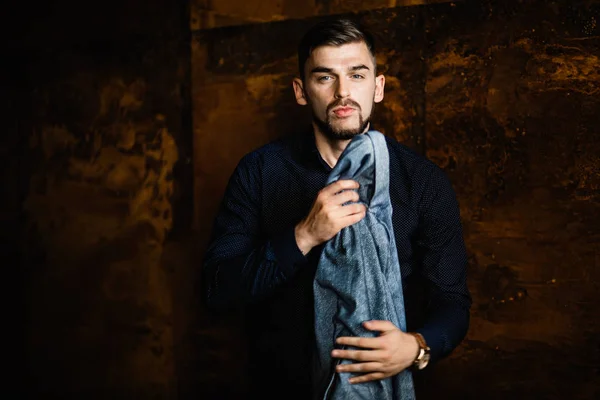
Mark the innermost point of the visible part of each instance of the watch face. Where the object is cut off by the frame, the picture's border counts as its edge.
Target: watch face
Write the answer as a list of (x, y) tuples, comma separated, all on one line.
[(424, 361)]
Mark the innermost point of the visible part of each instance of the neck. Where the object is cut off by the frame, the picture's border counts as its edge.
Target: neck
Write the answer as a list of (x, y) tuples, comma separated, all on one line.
[(330, 149)]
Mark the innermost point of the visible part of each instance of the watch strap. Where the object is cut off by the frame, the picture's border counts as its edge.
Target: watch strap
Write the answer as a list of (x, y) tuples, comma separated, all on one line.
[(422, 358)]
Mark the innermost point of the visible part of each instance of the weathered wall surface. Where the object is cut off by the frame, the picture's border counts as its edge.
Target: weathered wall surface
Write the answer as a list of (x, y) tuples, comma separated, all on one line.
[(103, 126), (208, 14), (505, 100), (513, 116), (98, 173)]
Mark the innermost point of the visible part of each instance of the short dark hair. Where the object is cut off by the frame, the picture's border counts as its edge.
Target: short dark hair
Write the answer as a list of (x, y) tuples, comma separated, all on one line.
[(335, 32)]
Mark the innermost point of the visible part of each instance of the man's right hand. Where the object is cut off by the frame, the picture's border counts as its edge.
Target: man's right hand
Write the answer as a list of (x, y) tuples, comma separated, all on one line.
[(328, 216)]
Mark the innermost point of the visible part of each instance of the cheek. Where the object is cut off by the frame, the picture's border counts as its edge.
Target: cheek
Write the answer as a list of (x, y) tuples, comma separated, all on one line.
[(366, 106), (367, 100), (318, 100)]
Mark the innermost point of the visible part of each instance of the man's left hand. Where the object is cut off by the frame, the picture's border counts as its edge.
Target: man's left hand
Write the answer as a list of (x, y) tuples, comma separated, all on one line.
[(384, 356)]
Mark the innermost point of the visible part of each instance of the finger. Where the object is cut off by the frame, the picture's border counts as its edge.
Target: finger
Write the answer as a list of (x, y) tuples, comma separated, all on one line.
[(362, 367), (373, 376), (382, 326), (359, 355), (362, 342), (345, 197), (350, 209), (351, 219), (340, 185)]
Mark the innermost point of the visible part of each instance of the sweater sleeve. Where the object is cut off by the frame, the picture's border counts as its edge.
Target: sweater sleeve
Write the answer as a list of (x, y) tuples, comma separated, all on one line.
[(242, 264), (444, 267)]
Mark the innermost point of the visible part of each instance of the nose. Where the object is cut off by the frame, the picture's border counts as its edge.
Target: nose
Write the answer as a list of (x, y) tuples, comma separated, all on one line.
[(342, 89)]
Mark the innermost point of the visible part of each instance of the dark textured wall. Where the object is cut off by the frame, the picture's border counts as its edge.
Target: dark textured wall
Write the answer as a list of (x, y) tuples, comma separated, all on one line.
[(110, 108), (208, 14), (513, 116), (505, 99), (100, 123)]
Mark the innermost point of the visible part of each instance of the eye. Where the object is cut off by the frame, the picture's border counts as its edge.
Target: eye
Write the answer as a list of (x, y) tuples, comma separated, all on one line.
[(357, 76), (324, 78)]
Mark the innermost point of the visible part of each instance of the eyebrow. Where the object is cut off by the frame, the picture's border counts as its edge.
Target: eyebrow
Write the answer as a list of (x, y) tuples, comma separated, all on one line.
[(330, 70), (359, 67)]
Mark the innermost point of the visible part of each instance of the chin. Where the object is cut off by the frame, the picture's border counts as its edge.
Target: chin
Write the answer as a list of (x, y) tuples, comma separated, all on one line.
[(346, 126), (349, 131)]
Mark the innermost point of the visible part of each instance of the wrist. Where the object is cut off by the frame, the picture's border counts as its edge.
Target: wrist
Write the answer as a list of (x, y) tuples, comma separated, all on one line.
[(423, 353), (303, 240), (415, 346)]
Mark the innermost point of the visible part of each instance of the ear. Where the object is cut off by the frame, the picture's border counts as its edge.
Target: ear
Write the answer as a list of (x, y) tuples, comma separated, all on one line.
[(299, 91), (379, 86)]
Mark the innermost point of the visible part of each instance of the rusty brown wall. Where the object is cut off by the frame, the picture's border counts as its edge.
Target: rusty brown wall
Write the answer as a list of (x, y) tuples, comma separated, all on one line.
[(103, 123), (99, 191), (208, 14), (505, 99), (513, 116)]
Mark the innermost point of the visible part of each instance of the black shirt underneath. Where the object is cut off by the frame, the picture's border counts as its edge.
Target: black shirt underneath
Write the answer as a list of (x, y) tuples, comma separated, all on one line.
[(253, 258)]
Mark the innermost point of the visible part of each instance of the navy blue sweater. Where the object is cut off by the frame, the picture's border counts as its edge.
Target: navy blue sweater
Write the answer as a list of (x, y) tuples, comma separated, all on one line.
[(253, 259)]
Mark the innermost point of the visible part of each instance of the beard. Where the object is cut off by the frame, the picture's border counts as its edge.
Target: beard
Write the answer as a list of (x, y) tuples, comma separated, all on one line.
[(331, 132)]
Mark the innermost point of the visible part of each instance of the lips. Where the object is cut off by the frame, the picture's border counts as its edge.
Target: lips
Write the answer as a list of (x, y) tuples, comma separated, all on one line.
[(343, 112)]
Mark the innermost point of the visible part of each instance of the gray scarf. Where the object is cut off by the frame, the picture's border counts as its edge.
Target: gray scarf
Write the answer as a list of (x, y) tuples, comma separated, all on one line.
[(358, 276)]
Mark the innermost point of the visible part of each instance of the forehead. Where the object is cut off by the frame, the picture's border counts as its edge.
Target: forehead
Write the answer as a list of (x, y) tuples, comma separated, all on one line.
[(340, 57)]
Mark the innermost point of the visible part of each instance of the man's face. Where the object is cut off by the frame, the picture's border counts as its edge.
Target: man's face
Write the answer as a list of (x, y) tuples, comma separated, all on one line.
[(341, 88)]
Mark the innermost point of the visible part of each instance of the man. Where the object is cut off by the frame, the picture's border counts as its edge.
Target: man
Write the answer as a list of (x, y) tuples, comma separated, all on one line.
[(277, 214)]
